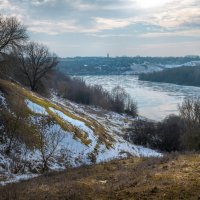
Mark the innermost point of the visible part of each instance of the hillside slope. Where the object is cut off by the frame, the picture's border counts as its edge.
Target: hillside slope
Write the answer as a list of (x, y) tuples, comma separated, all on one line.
[(86, 137), (174, 177)]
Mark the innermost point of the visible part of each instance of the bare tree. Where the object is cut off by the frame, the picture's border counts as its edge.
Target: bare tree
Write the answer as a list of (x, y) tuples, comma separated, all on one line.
[(123, 103), (119, 95), (131, 107), (190, 112), (49, 140), (12, 33), (35, 61)]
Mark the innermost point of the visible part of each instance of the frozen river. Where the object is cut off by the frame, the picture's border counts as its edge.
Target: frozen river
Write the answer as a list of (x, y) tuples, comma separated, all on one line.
[(154, 100)]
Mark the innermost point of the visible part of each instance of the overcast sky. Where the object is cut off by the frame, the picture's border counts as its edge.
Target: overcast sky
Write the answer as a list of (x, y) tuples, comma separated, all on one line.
[(118, 27)]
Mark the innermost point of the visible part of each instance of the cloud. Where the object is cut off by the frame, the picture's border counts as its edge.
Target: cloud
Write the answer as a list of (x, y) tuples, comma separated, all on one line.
[(111, 21), (57, 17), (184, 33), (52, 28), (177, 13), (55, 28), (40, 2), (7, 8), (105, 24)]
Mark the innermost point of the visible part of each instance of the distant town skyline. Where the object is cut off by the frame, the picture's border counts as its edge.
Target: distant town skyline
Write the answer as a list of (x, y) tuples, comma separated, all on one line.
[(118, 27)]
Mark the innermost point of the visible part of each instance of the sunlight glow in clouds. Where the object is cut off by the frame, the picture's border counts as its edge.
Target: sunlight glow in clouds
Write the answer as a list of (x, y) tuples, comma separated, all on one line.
[(95, 27), (152, 3)]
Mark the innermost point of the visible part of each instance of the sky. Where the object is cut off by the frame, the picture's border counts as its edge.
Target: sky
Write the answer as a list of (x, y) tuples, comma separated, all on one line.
[(118, 27)]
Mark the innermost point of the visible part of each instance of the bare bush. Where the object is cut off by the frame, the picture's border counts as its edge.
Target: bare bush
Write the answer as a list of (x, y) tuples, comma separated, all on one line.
[(119, 96), (170, 131), (165, 135), (16, 126), (49, 140), (122, 102), (190, 113), (142, 132), (77, 90)]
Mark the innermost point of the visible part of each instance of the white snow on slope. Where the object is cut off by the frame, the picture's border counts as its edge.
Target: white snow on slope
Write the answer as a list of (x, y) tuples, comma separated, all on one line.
[(188, 64), (2, 100), (17, 178), (143, 68), (122, 149), (71, 151), (192, 64), (35, 107), (114, 124), (79, 124), (76, 152)]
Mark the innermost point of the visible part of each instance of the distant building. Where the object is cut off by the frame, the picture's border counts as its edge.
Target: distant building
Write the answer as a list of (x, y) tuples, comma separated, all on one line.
[(108, 55)]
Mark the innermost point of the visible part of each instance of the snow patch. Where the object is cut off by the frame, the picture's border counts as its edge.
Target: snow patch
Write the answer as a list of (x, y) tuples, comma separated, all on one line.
[(35, 107), (123, 149), (17, 178), (2, 100), (79, 124), (114, 123)]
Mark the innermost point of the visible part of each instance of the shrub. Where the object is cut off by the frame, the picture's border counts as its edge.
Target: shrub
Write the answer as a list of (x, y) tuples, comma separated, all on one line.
[(164, 135), (142, 132), (75, 89), (169, 132), (190, 114)]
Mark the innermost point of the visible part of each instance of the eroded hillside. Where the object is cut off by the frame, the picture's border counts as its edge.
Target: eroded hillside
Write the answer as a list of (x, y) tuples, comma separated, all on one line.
[(86, 135)]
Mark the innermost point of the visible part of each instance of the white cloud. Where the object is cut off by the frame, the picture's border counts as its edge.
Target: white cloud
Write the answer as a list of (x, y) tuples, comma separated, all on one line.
[(55, 28), (131, 20), (52, 28), (176, 13), (4, 4), (7, 7), (187, 33), (40, 2), (147, 4), (106, 24), (167, 14)]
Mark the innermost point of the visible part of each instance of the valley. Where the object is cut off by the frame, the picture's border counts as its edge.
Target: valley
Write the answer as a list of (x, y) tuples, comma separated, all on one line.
[(155, 100), (75, 134)]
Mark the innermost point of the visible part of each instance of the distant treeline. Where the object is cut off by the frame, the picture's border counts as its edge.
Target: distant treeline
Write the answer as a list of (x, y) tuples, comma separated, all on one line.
[(114, 65), (181, 76)]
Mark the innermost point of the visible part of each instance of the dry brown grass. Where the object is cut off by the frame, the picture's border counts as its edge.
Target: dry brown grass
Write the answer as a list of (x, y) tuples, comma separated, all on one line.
[(15, 91), (171, 177)]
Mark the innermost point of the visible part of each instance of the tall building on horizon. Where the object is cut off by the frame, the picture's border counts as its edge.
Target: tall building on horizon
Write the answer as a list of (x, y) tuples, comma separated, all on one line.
[(108, 55)]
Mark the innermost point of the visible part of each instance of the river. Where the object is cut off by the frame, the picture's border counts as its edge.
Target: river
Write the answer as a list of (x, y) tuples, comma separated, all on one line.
[(155, 100)]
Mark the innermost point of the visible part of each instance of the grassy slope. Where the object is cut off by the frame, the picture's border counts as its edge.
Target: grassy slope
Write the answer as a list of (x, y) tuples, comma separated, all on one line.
[(172, 177), (16, 93)]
